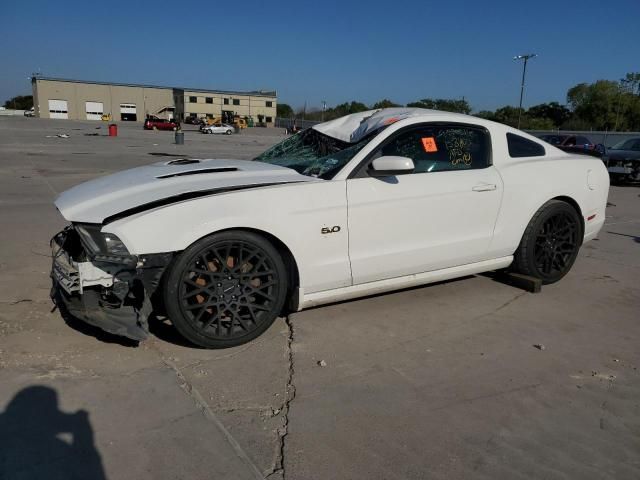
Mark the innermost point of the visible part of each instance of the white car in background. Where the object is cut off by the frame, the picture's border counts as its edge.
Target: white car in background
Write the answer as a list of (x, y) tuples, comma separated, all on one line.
[(364, 204), (218, 128)]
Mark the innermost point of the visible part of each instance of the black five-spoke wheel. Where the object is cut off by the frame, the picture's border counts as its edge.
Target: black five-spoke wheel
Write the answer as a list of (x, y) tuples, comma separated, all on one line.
[(226, 289), (550, 243)]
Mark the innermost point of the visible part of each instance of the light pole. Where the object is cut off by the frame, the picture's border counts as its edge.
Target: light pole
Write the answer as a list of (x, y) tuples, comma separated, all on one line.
[(524, 72), (324, 107)]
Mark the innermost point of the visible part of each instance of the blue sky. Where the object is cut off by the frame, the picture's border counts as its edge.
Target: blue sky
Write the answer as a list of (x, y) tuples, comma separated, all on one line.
[(326, 50)]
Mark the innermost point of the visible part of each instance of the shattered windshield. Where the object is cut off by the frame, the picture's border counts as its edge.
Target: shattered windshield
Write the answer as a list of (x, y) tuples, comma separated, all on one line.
[(312, 153)]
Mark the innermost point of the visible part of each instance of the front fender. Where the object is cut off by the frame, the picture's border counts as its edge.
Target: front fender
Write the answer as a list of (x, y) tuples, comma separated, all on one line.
[(293, 213)]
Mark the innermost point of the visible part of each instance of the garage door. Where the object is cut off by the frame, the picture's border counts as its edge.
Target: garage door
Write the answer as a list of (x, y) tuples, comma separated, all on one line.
[(58, 109), (94, 110), (128, 112)]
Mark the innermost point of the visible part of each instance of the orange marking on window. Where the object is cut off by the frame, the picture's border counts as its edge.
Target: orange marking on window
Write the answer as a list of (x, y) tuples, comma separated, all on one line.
[(429, 144), (391, 120)]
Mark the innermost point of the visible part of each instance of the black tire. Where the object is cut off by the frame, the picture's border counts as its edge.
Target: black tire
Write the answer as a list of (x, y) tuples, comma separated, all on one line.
[(550, 243), (226, 289), (228, 132)]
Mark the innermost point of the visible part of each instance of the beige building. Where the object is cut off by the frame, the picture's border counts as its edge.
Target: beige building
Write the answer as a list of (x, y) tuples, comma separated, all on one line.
[(85, 100)]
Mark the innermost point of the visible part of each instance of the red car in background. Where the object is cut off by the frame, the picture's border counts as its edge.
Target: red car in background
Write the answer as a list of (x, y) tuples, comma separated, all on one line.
[(561, 141), (155, 123)]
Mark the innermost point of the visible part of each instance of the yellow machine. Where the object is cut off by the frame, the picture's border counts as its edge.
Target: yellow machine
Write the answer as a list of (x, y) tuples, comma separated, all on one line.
[(106, 117), (238, 121)]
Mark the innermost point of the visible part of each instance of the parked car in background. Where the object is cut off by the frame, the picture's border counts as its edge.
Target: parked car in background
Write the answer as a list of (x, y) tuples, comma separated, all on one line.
[(563, 141), (371, 202), (155, 123), (218, 128), (30, 113), (623, 160)]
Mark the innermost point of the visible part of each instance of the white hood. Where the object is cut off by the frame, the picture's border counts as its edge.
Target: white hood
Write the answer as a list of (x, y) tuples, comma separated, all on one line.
[(97, 200)]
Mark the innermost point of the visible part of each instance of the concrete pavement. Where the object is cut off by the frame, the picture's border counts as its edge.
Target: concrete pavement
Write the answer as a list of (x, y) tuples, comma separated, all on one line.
[(436, 382)]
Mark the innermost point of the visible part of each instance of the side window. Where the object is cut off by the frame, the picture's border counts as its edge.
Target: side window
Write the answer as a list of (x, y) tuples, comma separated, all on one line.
[(523, 147), (437, 148)]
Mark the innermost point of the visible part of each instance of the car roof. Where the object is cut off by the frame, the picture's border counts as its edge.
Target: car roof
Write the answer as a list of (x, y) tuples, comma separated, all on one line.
[(353, 128)]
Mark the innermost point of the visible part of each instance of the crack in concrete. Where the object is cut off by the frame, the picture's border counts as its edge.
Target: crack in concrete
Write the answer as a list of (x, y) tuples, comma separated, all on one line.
[(278, 468), (200, 402), (504, 305)]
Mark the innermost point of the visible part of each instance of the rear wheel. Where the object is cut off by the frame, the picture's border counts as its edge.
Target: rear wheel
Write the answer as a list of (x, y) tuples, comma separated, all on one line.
[(226, 289), (550, 243)]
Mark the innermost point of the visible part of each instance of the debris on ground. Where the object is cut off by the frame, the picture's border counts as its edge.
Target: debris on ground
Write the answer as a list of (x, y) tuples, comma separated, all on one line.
[(91, 134), (540, 346), (60, 135), (322, 363)]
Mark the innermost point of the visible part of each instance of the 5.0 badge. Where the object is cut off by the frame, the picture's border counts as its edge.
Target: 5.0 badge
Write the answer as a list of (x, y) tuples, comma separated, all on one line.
[(334, 229)]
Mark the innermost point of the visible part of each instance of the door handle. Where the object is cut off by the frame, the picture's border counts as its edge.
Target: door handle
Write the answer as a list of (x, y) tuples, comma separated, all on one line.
[(484, 187)]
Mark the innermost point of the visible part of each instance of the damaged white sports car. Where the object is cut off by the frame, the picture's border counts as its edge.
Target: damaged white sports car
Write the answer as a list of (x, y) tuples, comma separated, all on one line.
[(367, 203)]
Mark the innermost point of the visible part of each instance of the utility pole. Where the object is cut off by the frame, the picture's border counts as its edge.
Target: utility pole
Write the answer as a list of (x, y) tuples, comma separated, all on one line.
[(526, 58), (324, 107)]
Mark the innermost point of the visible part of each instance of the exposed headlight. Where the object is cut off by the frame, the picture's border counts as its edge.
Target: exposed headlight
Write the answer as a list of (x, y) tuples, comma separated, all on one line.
[(97, 242), (114, 245)]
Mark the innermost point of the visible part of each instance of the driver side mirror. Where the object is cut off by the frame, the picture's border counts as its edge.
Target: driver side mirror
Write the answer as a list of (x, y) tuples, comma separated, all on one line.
[(388, 166)]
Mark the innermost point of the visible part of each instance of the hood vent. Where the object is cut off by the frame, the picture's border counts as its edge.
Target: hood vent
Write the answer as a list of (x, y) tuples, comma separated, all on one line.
[(183, 161), (197, 172)]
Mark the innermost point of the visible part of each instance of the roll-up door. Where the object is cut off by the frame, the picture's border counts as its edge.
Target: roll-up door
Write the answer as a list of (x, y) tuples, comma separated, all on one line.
[(128, 112), (58, 109), (94, 110)]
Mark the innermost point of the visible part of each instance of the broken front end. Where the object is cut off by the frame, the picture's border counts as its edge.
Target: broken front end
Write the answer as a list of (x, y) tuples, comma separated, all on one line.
[(97, 280)]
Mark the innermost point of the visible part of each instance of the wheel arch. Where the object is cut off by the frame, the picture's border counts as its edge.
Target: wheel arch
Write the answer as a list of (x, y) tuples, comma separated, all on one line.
[(293, 272), (576, 206)]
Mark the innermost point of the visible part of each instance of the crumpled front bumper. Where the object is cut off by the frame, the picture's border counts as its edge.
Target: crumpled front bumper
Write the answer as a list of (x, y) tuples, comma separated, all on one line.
[(114, 295)]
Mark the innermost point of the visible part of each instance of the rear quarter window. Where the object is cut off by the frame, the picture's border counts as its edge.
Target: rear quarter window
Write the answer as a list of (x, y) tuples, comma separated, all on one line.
[(523, 147)]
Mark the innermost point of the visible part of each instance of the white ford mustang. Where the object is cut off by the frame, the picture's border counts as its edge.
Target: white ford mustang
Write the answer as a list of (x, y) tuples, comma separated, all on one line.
[(367, 203)]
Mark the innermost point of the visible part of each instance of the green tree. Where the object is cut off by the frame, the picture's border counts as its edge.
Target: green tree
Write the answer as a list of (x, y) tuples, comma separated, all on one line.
[(446, 105), (553, 111), (486, 114), (20, 102), (632, 81), (600, 105), (507, 115), (385, 103), (284, 111)]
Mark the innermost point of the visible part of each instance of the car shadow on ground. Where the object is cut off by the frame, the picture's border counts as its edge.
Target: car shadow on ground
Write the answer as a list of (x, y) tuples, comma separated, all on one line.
[(391, 292), (92, 331), (38, 440), (162, 328), (633, 237)]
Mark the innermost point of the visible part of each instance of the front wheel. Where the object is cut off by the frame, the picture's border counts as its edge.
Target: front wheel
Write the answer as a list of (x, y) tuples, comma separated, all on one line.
[(226, 289), (228, 132), (550, 243)]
